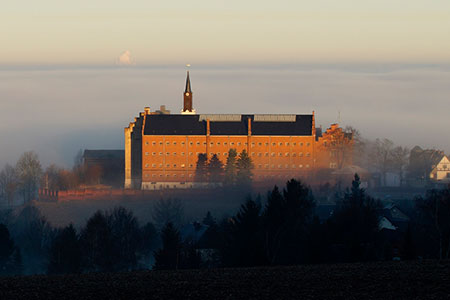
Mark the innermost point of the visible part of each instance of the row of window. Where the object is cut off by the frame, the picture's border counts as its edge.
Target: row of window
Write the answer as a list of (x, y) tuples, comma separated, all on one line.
[(259, 166), (231, 144), (191, 176), (226, 153)]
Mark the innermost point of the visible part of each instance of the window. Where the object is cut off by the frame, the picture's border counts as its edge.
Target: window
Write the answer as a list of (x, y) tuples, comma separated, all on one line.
[(218, 143), (182, 153), (293, 144), (167, 143), (259, 154), (300, 154), (224, 143), (154, 165), (160, 165), (259, 166), (154, 143), (146, 153), (308, 155), (274, 144), (294, 154), (191, 143), (198, 143), (273, 153), (300, 144), (293, 166), (231, 143), (286, 166), (146, 143), (287, 144), (160, 153), (307, 144), (160, 175), (253, 153), (168, 165), (190, 153), (146, 175), (279, 166), (190, 175), (212, 144), (307, 166), (267, 144), (175, 165), (146, 165), (239, 143), (280, 154), (174, 153), (266, 154), (300, 166), (333, 165), (183, 165), (153, 153), (259, 144), (182, 143), (286, 154), (153, 175), (168, 153), (160, 143), (225, 154), (190, 166), (266, 166), (204, 143)]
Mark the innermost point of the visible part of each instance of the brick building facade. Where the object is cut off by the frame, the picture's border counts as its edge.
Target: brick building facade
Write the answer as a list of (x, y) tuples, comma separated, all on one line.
[(161, 150)]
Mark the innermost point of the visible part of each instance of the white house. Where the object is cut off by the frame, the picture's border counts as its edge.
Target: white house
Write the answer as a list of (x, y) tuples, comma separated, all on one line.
[(441, 171)]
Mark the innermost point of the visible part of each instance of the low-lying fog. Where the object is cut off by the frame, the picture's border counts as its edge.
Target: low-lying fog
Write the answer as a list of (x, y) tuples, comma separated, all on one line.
[(56, 111)]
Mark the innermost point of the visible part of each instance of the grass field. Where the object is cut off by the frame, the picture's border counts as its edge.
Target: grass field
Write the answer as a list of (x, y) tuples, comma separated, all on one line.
[(391, 280)]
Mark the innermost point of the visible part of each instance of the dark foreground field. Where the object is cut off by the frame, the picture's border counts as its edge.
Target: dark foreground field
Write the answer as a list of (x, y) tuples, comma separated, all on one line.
[(421, 280)]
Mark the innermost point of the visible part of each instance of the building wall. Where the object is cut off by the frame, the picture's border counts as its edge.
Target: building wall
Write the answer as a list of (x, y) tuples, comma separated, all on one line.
[(442, 170), (174, 158)]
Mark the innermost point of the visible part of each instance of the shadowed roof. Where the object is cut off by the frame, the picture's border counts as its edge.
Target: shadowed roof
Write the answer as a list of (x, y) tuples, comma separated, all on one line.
[(295, 125)]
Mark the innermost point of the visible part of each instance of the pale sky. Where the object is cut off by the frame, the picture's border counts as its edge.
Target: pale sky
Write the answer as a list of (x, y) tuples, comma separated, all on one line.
[(234, 31)]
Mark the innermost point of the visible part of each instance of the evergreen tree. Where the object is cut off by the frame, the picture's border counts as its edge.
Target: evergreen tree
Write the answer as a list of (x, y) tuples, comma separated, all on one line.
[(245, 167), (408, 248), (125, 238), (215, 167), (65, 252), (286, 219), (6, 249), (245, 247), (209, 219), (97, 244), (356, 223), (201, 171), (169, 256), (231, 168)]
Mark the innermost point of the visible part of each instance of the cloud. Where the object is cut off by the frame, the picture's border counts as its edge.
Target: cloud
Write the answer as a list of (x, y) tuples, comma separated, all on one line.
[(125, 59)]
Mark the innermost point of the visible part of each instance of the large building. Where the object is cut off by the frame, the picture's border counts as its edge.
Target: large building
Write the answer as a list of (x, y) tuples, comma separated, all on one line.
[(161, 149)]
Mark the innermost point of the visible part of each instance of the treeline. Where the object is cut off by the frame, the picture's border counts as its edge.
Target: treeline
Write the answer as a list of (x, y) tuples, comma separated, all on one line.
[(281, 228), (23, 180), (237, 171)]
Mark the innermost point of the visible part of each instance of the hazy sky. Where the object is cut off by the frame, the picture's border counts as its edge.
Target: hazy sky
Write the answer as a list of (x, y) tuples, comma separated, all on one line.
[(205, 31)]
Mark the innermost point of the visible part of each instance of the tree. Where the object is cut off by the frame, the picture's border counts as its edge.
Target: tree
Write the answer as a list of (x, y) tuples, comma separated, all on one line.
[(245, 167), (168, 211), (65, 252), (125, 236), (9, 182), (245, 247), (286, 217), (381, 157), (209, 219), (34, 235), (169, 256), (29, 171), (341, 144), (436, 206), (201, 170), (215, 168), (355, 223), (6, 249), (400, 160), (148, 240), (97, 244), (231, 168)]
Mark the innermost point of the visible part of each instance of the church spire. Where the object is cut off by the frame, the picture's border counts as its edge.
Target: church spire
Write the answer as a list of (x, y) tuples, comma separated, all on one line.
[(187, 96), (188, 84)]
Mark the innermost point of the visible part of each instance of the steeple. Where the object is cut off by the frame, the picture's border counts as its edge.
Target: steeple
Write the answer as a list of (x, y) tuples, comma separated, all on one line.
[(188, 84), (187, 96)]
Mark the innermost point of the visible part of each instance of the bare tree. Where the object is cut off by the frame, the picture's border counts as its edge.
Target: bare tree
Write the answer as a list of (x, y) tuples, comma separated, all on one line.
[(341, 145), (381, 157), (400, 160), (168, 211), (29, 171), (8, 184)]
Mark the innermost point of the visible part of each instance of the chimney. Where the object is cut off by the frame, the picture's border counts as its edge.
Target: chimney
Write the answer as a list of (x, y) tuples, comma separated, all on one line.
[(147, 110)]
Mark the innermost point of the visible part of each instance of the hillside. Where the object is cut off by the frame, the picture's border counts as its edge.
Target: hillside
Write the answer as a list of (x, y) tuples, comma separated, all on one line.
[(391, 280)]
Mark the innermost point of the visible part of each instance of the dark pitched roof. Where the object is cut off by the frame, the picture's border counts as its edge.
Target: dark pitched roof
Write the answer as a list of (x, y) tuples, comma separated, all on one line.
[(193, 125), (188, 84)]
